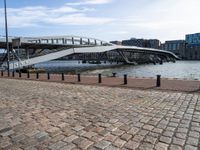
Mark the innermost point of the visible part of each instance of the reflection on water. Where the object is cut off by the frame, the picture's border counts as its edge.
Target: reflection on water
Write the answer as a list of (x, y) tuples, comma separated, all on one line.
[(180, 69)]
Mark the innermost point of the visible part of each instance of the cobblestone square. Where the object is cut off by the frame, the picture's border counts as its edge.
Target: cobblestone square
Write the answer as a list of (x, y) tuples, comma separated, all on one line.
[(55, 116)]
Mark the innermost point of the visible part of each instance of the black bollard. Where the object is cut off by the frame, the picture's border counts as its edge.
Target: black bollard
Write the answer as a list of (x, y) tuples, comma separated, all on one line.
[(28, 75), (48, 76), (37, 75), (63, 76), (158, 80), (20, 74), (79, 77), (2, 73), (13, 74), (100, 78), (125, 79), (114, 74)]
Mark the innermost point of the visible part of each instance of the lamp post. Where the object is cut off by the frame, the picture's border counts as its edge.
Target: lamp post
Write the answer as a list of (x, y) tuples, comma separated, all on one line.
[(7, 43)]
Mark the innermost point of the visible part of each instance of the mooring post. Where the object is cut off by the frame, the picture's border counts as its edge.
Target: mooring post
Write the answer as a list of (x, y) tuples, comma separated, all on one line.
[(37, 75), (48, 76), (125, 79), (158, 80), (79, 77), (100, 80), (2, 73), (63, 76)]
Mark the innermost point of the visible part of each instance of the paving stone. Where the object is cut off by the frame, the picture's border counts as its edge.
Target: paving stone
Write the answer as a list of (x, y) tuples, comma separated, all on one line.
[(175, 147), (84, 144), (118, 132), (148, 127), (69, 146), (161, 146), (178, 141), (150, 139), (53, 131), (192, 141), (146, 146), (57, 145), (165, 139), (70, 138), (190, 147), (41, 136), (126, 137), (102, 144), (132, 145), (110, 138), (133, 131), (111, 147), (119, 143)]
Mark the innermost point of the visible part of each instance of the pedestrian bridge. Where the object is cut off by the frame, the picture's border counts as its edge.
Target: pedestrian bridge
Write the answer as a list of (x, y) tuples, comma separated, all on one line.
[(41, 49)]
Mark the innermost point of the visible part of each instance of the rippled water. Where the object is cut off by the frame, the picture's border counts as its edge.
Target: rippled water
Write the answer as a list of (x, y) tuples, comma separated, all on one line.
[(180, 69)]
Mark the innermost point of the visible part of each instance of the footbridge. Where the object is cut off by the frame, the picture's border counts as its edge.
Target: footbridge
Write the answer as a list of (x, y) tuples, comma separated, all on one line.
[(27, 51)]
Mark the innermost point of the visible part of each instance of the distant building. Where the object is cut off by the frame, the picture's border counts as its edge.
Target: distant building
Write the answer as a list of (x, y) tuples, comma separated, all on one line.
[(152, 43), (193, 39), (175, 46), (116, 42)]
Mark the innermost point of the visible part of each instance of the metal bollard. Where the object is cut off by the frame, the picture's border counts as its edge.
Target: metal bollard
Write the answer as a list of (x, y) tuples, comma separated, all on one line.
[(100, 80), (48, 76), (13, 74), (158, 80), (79, 77), (28, 74), (125, 79), (2, 73), (20, 74), (37, 75), (63, 76), (114, 74)]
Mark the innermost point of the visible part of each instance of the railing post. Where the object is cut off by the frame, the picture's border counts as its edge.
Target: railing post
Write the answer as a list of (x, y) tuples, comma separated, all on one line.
[(37, 75), (13, 74), (2, 73), (48, 76), (125, 79), (28, 74), (100, 80), (79, 77), (158, 80), (63, 76)]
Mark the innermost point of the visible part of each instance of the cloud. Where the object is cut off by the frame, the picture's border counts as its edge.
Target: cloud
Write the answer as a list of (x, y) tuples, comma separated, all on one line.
[(40, 15), (89, 2)]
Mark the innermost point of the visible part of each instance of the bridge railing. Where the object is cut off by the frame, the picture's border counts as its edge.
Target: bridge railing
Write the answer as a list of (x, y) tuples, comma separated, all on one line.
[(73, 40)]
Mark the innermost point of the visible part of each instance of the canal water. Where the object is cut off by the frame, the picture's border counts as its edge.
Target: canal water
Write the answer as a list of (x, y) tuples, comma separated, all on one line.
[(180, 69)]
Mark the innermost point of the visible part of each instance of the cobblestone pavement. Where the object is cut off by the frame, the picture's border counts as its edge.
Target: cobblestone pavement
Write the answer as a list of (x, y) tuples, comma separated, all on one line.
[(44, 115)]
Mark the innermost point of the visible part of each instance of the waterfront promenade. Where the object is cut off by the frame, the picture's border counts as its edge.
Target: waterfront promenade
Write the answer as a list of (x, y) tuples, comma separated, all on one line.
[(180, 85), (48, 115)]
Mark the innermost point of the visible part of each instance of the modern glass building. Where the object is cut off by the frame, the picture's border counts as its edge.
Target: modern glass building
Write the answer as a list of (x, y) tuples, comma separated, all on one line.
[(193, 39)]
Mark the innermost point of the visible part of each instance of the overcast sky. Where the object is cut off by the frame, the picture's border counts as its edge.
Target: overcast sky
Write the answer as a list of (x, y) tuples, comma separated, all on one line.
[(103, 19)]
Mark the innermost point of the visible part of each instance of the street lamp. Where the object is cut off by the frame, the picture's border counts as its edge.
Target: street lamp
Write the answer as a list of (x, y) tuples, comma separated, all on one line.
[(7, 43)]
